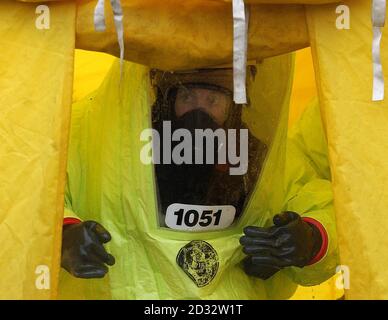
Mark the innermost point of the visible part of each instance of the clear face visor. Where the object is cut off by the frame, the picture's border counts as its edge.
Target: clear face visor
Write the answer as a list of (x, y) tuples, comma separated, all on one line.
[(213, 160), (200, 122)]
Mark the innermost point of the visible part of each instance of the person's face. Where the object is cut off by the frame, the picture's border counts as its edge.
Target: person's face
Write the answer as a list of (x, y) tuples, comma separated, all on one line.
[(215, 103)]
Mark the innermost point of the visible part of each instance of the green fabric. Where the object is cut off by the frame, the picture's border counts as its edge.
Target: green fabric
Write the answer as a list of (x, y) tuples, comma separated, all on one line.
[(108, 183)]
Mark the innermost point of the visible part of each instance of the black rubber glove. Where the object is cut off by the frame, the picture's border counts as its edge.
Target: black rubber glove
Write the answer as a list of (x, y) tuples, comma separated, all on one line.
[(83, 252), (262, 271), (290, 242)]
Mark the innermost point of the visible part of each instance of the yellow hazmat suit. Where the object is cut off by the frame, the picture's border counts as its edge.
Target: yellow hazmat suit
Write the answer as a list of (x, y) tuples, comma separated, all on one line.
[(108, 183)]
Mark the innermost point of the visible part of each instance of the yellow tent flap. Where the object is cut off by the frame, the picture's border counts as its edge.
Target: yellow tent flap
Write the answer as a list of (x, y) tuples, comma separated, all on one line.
[(357, 135), (36, 69), (206, 39)]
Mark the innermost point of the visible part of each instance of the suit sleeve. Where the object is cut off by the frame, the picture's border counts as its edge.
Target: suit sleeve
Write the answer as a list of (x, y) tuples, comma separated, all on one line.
[(74, 170), (309, 193), (70, 217)]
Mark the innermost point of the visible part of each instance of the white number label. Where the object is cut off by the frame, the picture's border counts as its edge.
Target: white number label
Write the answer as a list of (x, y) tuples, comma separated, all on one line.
[(199, 218)]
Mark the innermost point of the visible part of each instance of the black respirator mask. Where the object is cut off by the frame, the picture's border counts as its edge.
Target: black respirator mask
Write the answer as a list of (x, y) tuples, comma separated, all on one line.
[(188, 183)]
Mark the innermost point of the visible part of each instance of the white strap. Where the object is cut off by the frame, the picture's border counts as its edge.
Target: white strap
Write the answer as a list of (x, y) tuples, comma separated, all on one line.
[(99, 22), (378, 20), (99, 16), (240, 46), (118, 18)]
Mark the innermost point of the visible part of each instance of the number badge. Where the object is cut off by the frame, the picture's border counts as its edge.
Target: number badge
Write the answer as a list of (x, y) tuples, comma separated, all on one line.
[(195, 218)]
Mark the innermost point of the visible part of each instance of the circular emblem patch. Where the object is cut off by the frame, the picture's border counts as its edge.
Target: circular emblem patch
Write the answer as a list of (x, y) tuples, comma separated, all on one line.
[(199, 261)]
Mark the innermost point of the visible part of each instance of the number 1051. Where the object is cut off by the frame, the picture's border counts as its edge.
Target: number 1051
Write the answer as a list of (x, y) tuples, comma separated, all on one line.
[(191, 217), (199, 218)]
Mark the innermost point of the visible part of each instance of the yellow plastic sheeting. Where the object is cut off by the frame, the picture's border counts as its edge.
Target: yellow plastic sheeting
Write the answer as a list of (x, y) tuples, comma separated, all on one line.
[(304, 87), (325, 291), (357, 133), (191, 34), (90, 69), (35, 97), (303, 91)]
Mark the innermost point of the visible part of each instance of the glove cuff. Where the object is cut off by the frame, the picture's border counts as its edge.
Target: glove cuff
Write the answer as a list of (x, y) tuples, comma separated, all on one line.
[(325, 239), (69, 221)]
